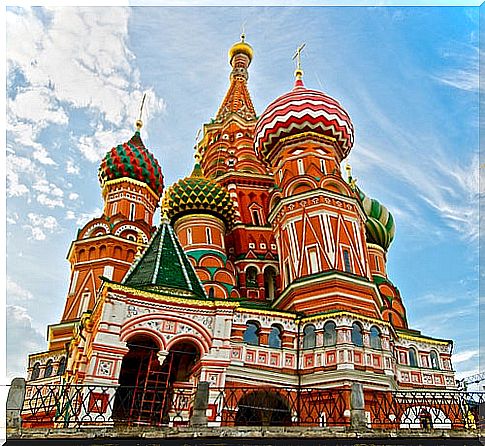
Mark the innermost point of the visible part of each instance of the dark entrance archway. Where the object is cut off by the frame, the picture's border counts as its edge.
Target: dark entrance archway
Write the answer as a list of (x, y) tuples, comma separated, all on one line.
[(263, 408), (145, 394)]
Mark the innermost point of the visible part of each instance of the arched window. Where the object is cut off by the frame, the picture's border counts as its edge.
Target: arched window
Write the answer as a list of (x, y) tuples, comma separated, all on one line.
[(375, 338), (251, 334), (329, 334), (413, 357), (61, 368), (309, 336), (48, 369), (132, 212), (211, 292), (251, 277), (357, 338), (189, 236), (269, 283), (274, 339), (35, 371), (208, 236), (347, 262), (433, 356)]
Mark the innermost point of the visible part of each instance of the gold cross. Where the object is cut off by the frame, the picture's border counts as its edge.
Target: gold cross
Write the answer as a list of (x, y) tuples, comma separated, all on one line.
[(297, 56)]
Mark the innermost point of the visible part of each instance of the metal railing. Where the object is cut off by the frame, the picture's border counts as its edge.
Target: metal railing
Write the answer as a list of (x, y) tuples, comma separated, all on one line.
[(277, 406), (74, 405), (426, 410)]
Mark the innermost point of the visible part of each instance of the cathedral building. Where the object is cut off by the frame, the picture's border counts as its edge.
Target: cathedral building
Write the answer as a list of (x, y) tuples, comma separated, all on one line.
[(268, 267)]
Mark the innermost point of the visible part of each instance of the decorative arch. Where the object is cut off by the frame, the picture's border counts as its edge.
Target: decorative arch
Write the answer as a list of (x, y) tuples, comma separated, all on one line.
[(336, 186), (299, 185)]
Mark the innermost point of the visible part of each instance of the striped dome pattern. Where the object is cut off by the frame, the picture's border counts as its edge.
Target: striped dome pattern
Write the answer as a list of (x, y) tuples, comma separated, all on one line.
[(132, 160), (303, 110), (380, 226), (197, 193)]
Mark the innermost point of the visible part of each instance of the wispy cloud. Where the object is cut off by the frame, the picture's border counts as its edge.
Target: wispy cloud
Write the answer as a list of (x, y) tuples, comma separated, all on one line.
[(39, 225)]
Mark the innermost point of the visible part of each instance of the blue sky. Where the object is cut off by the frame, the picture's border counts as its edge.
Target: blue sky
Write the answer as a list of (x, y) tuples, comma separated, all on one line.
[(408, 77)]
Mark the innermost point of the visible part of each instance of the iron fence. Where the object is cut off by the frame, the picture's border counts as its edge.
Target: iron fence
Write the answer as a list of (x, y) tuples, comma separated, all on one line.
[(425, 410), (280, 406), (72, 406)]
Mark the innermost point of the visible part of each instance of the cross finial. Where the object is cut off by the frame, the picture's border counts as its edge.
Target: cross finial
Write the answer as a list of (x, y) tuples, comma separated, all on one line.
[(243, 33), (297, 56), (139, 122)]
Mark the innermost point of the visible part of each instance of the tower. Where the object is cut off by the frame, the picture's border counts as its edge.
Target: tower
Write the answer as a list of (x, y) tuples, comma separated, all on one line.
[(228, 156), (132, 183)]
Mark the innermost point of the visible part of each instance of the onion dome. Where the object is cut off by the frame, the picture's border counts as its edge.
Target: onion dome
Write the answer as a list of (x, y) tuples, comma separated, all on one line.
[(303, 110), (198, 193), (241, 47), (132, 160), (380, 226)]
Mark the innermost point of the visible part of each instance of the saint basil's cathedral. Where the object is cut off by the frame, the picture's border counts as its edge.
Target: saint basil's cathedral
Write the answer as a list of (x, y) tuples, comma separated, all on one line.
[(268, 267)]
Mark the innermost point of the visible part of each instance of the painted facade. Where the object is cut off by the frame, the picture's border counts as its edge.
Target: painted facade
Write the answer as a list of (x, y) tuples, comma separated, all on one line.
[(268, 266)]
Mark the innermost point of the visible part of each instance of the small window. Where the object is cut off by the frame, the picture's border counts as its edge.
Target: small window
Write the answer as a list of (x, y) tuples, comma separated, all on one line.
[(48, 369), (413, 357), (72, 289), (309, 336), (35, 371), (256, 220), (357, 338), (252, 277), (251, 334), (376, 258), (301, 167), (211, 292), (114, 208), (329, 334), (313, 259), (322, 166), (375, 338), (132, 211), (108, 271), (280, 173), (287, 273), (433, 356), (274, 338), (61, 368), (269, 283), (189, 236), (208, 236), (347, 263)]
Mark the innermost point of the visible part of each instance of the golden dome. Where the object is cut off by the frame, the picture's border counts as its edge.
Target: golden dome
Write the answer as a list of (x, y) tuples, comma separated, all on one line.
[(241, 47)]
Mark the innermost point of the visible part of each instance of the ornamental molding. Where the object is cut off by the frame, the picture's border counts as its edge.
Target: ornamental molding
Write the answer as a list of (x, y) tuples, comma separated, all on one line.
[(133, 228)]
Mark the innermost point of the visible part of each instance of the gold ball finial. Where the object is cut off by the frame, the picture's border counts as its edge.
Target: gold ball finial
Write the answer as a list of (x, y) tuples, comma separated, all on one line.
[(138, 124)]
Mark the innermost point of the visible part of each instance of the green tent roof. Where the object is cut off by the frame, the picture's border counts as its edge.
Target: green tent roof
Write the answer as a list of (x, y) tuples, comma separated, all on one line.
[(164, 266)]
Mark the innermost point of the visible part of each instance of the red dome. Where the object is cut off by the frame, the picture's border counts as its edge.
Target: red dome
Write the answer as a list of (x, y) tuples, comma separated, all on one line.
[(303, 110), (132, 160)]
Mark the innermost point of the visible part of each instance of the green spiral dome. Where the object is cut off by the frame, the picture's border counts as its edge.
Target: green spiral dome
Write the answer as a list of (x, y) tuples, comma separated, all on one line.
[(198, 193), (380, 226)]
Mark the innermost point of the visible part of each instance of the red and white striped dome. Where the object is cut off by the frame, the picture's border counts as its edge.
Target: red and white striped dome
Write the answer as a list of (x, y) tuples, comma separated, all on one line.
[(303, 110)]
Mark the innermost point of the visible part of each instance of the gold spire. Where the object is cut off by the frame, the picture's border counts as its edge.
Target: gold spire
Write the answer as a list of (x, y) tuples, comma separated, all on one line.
[(139, 122), (297, 56), (241, 47), (352, 181)]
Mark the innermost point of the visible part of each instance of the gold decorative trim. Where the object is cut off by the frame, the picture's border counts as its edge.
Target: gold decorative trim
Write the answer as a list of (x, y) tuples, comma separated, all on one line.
[(269, 312), (171, 299), (346, 313), (423, 339)]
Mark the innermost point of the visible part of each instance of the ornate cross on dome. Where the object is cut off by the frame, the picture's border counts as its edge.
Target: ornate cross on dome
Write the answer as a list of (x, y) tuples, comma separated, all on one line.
[(297, 56)]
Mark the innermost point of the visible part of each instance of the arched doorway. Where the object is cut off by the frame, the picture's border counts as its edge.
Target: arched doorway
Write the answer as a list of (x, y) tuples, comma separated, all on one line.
[(263, 408), (146, 393)]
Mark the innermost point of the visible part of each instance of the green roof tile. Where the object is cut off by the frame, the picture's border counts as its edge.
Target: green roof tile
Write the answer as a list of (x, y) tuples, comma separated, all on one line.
[(164, 265)]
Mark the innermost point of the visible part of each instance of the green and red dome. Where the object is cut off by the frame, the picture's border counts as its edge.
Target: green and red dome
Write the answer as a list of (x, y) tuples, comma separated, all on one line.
[(197, 193), (132, 160), (380, 226)]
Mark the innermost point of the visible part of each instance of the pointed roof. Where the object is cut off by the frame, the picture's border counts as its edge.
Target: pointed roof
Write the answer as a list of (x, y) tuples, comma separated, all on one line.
[(237, 100), (164, 267)]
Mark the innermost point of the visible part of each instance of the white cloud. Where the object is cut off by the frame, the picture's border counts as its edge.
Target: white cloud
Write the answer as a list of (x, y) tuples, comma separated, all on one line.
[(12, 218), (80, 59), (464, 356), (39, 225), (83, 217), (71, 168), (15, 293), (50, 195), (17, 168), (43, 157), (22, 340), (73, 196)]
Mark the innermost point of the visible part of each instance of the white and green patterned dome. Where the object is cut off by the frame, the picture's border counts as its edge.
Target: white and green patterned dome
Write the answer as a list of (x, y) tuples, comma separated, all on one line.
[(380, 226)]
